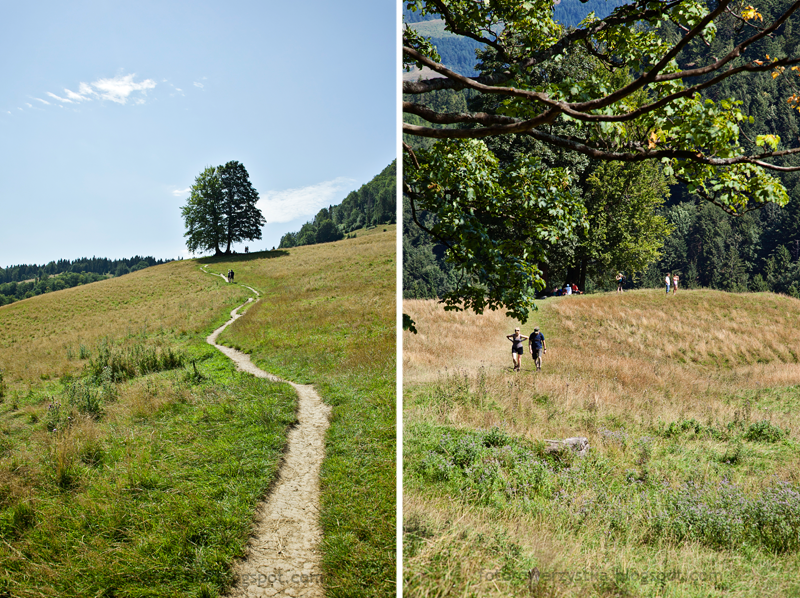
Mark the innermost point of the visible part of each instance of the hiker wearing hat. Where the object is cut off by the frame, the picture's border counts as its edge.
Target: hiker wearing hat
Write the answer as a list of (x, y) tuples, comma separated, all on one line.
[(537, 345), (517, 349)]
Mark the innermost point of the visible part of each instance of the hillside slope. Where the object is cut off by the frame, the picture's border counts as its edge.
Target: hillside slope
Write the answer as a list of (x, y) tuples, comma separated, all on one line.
[(133, 456), (327, 317), (690, 406)]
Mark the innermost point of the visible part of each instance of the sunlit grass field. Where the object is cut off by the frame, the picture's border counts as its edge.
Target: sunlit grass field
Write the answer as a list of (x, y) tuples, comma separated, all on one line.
[(132, 455), (327, 317), (691, 487)]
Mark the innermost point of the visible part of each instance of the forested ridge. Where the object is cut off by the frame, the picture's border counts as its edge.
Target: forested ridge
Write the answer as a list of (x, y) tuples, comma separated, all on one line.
[(706, 246), (26, 280), (373, 204)]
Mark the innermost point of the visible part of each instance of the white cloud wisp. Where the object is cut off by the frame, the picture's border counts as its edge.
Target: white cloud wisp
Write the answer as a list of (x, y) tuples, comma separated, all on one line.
[(287, 205), (117, 89)]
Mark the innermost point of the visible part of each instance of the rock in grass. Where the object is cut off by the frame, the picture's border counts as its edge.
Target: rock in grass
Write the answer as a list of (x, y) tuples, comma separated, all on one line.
[(578, 444)]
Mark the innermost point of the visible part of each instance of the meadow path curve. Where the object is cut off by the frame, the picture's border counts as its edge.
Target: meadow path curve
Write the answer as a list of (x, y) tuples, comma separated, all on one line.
[(283, 556)]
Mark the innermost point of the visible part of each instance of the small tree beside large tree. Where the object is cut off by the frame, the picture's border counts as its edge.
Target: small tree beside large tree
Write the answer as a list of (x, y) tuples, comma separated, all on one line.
[(222, 209)]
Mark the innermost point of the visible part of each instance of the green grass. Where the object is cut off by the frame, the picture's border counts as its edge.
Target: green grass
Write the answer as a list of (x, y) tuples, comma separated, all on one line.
[(154, 498), (132, 454), (691, 485), (327, 318)]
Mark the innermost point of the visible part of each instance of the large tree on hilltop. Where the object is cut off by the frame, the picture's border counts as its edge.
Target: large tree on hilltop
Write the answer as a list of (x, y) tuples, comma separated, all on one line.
[(495, 219), (202, 214), (221, 209), (243, 219)]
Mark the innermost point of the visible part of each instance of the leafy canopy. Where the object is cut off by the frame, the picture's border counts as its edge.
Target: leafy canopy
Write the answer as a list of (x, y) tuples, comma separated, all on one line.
[(658, 111), (221, 209)]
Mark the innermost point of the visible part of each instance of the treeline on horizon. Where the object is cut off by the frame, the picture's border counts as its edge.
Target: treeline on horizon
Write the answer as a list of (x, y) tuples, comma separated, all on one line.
[(27, 280), (373, 204), (707, 247)]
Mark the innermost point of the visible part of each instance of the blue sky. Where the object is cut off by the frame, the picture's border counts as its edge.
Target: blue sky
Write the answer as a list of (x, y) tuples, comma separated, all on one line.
[(109, 110)]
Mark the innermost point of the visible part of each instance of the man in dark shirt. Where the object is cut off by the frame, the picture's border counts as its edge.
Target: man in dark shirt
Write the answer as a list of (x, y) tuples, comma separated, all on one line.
[(537, 345)]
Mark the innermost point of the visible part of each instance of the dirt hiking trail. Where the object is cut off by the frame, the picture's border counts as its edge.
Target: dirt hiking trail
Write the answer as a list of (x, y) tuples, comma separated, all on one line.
[(283, 557)]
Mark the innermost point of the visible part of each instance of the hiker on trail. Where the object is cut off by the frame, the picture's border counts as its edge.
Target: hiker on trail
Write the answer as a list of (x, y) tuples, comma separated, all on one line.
[(537, 345), (620, 281), (674, 283), (667, 280), (517, 348)]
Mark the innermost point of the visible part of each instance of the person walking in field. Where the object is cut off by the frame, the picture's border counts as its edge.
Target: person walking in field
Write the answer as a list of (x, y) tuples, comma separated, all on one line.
[(517, 348), (620, 281), (537, 345), (674, 283), (667, 280)]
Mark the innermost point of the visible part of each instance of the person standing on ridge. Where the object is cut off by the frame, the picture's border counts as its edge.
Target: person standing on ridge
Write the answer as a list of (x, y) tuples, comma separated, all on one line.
[(537, 345), (667, 280), (674, 283), (517, 348)]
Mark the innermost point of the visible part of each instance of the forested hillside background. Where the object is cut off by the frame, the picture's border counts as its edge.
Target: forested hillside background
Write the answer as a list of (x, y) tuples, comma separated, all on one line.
[(458, 53), (373, 204), (27, 280), (707, 247)]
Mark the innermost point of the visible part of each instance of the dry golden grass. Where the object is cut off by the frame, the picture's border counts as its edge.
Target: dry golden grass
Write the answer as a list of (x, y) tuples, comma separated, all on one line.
[(39, 335), (637, 356), (635, 363)]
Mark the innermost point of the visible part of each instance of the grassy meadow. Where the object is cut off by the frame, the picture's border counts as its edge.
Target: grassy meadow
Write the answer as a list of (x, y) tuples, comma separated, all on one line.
[(691, 405), (327, 317), (132, 455)]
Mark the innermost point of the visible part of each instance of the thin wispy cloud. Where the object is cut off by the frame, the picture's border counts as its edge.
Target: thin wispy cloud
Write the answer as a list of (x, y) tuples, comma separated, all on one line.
[(287, 205), (55, 97), (42, 101), (28, 105), (200, 85), (117, 89), (180, 192)]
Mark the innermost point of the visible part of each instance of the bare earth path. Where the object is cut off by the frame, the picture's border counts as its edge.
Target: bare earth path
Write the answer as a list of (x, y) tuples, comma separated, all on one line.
[(283, 557)]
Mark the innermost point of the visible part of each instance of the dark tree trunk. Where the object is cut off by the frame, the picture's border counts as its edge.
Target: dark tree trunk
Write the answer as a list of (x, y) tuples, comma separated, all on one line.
[(573, 273), (582, 283)]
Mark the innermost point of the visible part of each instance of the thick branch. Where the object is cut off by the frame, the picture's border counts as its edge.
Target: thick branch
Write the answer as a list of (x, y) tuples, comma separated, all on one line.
[(450, 118), (582, 147), (735, 53), (634, 15)]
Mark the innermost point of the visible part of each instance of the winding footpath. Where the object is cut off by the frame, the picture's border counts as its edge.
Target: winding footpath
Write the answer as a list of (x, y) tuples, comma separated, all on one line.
[(283, 557)]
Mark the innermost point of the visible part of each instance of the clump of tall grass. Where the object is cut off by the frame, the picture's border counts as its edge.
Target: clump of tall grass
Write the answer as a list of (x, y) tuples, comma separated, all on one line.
[(124, 363)]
